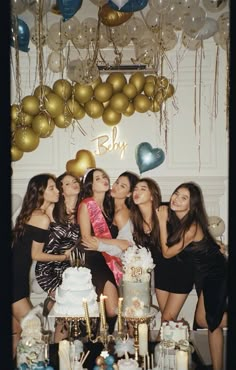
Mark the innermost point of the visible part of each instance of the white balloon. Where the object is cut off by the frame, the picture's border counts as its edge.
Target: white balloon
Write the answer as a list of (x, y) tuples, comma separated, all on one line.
[(194, 21), (190, 43), (216, 226), (16, 202), (214, 5), (56, 62), (208, 30), (136, 27), (160, 6)]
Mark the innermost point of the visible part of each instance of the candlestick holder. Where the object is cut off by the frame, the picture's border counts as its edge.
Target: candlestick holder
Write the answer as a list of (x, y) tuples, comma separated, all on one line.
[(135, 321)]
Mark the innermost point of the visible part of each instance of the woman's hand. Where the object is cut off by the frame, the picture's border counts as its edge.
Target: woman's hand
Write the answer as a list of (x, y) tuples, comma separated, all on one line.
[(162, 214), (90, 242), (68, 253)]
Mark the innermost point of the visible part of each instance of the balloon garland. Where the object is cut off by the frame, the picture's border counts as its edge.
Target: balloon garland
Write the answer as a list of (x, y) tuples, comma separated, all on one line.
[(37, 115)]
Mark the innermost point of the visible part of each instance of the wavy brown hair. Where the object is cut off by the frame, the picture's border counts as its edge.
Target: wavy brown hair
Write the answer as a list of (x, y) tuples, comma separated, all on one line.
[(138, 220), (33, 199), (59, 211)]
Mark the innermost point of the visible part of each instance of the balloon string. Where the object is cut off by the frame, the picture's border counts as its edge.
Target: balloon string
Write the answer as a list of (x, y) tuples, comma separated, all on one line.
[(216, 83)]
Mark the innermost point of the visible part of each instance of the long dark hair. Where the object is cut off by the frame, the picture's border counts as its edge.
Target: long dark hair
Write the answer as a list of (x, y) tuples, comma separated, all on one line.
[(197, 214), (33, 199), (133, 179), (137, 218), (87, 192), (59, 212)]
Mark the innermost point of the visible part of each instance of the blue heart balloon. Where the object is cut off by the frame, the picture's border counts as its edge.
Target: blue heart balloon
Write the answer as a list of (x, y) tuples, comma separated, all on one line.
[(130, 6), (148, 157), (20, 35), (68, 8)]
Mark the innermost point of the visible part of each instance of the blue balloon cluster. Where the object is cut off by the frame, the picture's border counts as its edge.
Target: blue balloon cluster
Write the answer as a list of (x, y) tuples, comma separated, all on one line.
[(39, 366), (68, 8), (108, 362), (130, 6), (20, 34)]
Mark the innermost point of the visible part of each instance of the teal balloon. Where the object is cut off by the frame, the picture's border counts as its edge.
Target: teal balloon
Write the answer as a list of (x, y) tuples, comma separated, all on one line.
[(148, 157), (130, 6), (68, 8), (20, 35)]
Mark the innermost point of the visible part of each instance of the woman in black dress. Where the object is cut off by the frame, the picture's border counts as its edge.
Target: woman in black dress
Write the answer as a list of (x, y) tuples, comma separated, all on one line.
[(29, 236), (173, 277), (190, 233)]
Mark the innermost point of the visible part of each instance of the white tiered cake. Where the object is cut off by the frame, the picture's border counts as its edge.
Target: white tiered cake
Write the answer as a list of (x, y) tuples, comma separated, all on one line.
[(174, 330), (137, 265), (76, 287)]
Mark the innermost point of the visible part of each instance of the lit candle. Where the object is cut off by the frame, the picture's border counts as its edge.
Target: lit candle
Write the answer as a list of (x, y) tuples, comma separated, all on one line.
[(120, 301), (143, 339), (102, 311), (85, 304), (181, 360)]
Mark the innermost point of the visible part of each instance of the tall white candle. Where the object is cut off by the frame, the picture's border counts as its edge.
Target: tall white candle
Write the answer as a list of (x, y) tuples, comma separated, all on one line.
[(86, 313), (102, 311), (143, 339), (120, 315), (181, 360)]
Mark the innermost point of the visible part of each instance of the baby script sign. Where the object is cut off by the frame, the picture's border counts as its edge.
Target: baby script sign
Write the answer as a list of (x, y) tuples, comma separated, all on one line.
[(106, 144)]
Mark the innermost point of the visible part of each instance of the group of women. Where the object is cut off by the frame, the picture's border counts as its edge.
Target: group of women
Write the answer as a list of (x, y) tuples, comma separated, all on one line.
[(58, 215)]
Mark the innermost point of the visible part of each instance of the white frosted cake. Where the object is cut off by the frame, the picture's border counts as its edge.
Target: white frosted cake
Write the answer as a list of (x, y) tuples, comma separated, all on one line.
[(174, 330), (128, 364), (75, 289), (137, 265)]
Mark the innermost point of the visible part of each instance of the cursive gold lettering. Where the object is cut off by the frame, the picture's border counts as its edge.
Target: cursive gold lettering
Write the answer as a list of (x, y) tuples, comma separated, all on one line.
[(107, 144)]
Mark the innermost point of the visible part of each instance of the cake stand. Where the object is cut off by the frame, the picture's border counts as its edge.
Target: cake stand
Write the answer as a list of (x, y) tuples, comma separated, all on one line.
[(135, 321), (73, 321)]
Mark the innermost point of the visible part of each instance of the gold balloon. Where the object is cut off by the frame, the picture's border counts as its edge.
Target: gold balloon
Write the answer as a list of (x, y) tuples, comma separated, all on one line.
[(84, 160), (26, 139), (75, 109), (111, 17), (111, 117), (63, 120), (24, 119), (160, 96), (13, 126), (117, 80), (119, 102), (83, 93), (96, 82), (162, 81), (155, 106), (141, 103), (16, 153), (30, 105), (63, 89), (103, 92), (94, 108), (149, 89), (54, 104), (15, 109), (42, 90), (150, 78), (138, 80), (130, 110), (170, 90), (43, 125), (130, 90)]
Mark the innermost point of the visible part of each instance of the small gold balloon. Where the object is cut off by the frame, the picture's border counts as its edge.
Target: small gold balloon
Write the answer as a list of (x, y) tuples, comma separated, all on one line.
[(160, 96), (54, 104), (26, 139), (42, 90), (30, 105), (24, 119), (150, 78), (149, 89), (15, 109), (129, 110), (155, 106), (111, 17), (83, 93), (138, 80), (117, 80), (13, 126), (103, 91), (162, 81), (130, 90), (96, 82), (170, 90), (63, 120), (84, 160), (94, 108), (16, 153), (119, 102), (62, 88), (141, 103), (76, 110), (111, 117), (43, 125)]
